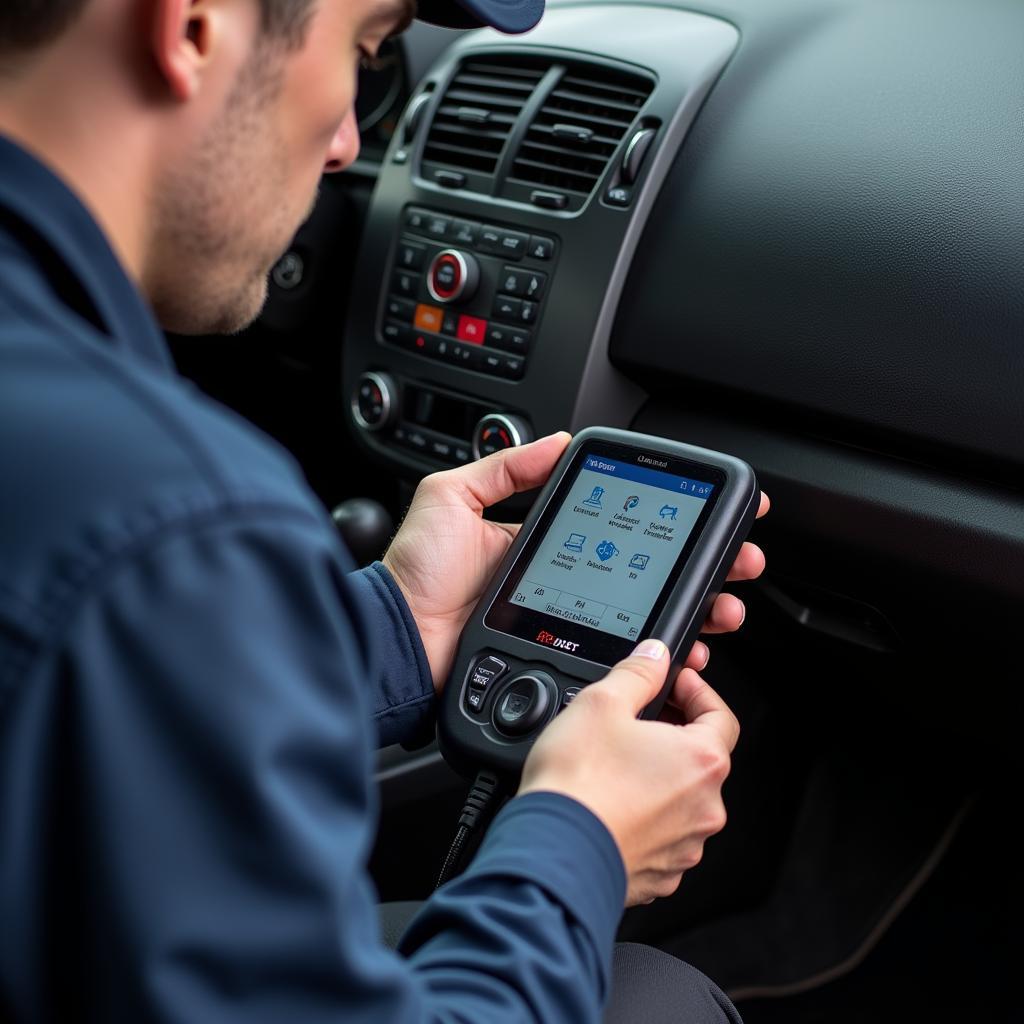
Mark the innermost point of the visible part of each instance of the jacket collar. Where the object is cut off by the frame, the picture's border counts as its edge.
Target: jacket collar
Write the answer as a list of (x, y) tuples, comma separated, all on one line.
[(72, 253)]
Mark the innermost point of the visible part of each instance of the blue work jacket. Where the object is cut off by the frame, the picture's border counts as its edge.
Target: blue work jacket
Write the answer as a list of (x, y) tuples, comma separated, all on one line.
[(189, 676)]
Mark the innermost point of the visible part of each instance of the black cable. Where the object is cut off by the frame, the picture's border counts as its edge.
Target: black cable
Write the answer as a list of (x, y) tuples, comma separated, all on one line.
[(474, 811)]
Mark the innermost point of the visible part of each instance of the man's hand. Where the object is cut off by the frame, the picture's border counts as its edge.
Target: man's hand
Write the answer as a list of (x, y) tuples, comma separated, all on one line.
[(445, 551), (655, 785)]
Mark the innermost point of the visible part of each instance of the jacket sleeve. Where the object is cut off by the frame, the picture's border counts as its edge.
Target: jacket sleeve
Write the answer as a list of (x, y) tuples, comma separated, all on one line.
[(206, 735), (402, 693)]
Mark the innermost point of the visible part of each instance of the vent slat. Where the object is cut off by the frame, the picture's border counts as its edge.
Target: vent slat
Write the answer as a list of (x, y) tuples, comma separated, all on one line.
[(497, 118), (543, 165), (604, 109), (507, 85), (608, 141), (470, 97), (607, 104), (503, 70), (480, 134), (564, 153), (562, 115), (452, 147), (592, 86)]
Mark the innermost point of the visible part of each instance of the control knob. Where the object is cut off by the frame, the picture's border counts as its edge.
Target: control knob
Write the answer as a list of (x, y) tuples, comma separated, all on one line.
[(453, 275), (374, 401), (497, 431)]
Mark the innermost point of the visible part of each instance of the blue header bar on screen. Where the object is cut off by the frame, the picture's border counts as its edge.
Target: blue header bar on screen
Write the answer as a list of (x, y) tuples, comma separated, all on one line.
[(651, 477)]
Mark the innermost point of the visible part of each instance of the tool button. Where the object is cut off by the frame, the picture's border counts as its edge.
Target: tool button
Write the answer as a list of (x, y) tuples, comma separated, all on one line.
[(569, 694), (487, 670), (523, 705)]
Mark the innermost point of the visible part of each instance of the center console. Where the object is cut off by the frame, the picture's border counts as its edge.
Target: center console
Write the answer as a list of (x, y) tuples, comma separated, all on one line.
[(503, 223)]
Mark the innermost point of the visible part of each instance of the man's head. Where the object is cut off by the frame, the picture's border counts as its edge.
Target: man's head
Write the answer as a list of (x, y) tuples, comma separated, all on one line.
[(197, 130), (28, 24)]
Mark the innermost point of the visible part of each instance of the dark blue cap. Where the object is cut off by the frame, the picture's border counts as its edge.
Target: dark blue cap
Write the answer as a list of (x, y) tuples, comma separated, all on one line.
[(504, 15)]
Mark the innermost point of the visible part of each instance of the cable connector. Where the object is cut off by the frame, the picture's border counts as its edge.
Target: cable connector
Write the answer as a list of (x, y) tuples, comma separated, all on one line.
[(479, 801)]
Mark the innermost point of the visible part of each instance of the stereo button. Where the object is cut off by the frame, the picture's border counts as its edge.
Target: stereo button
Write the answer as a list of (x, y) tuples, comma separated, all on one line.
[(465, 232), (411, 256), (406, 283), (541, 248), (438, 226), (428, 318), (400, 309), (472, 329), (506, 308), (511, 339)]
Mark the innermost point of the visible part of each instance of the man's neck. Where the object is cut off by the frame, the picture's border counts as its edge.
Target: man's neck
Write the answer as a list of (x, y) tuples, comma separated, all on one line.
[(67, 116)]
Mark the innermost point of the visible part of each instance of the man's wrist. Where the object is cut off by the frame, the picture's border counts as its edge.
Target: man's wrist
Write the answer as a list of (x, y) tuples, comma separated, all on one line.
[(437, 649)]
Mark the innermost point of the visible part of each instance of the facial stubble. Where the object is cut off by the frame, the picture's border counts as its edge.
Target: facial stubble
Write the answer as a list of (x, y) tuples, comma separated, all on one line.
[(221, 217)]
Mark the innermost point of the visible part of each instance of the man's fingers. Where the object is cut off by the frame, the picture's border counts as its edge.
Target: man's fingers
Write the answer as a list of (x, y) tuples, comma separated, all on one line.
[(749, 563), (698, 657), (505, 473), (699, 703), (762, 509), (638, 679), (727, 615)]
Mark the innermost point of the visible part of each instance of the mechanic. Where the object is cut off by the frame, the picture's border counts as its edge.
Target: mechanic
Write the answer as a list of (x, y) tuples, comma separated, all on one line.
[(189, 666)]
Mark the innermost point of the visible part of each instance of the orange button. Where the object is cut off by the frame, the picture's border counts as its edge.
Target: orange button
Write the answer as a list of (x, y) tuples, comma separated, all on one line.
[(428, 318), (471, 329)]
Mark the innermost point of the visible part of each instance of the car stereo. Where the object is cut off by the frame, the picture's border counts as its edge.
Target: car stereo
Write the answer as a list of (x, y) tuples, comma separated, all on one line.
[(466, 292)]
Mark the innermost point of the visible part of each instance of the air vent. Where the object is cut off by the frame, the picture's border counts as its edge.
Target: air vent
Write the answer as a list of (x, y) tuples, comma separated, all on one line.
[(577, 131), (476, 116)]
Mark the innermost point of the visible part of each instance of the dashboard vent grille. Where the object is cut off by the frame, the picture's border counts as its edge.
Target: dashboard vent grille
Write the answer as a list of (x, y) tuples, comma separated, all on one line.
[(578, 129), (478, 111)]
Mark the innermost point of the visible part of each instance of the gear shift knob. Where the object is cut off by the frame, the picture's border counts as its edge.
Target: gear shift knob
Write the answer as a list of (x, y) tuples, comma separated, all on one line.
[(366, 527)]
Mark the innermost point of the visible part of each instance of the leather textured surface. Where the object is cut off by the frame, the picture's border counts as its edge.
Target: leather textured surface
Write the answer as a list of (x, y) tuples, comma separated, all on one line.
[(843, 230)]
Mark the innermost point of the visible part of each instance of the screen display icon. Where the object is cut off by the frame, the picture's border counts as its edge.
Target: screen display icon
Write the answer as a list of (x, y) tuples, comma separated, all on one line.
[(669, 511), (639, 561), (606, 549), (631, 503), (575, 542), (594, 501)]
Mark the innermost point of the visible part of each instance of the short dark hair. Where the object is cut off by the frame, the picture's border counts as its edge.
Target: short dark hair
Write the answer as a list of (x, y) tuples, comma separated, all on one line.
[(28, 24)]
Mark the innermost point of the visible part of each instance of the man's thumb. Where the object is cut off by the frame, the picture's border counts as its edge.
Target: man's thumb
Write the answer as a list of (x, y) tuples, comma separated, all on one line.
[(640, 677)]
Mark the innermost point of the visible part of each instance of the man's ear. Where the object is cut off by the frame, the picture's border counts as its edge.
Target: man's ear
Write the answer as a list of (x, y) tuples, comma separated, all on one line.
[(182, 37)]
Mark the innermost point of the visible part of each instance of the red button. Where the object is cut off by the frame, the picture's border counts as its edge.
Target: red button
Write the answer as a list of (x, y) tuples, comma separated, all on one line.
[(472, 329), (446, 276)]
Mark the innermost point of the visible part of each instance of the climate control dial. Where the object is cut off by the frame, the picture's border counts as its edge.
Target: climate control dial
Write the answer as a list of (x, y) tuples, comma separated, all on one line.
[(374, 401), (453, 275), (496, 431)]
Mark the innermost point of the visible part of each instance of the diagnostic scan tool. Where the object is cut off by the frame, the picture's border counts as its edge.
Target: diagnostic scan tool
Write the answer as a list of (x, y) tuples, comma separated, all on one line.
[(631, 537)]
